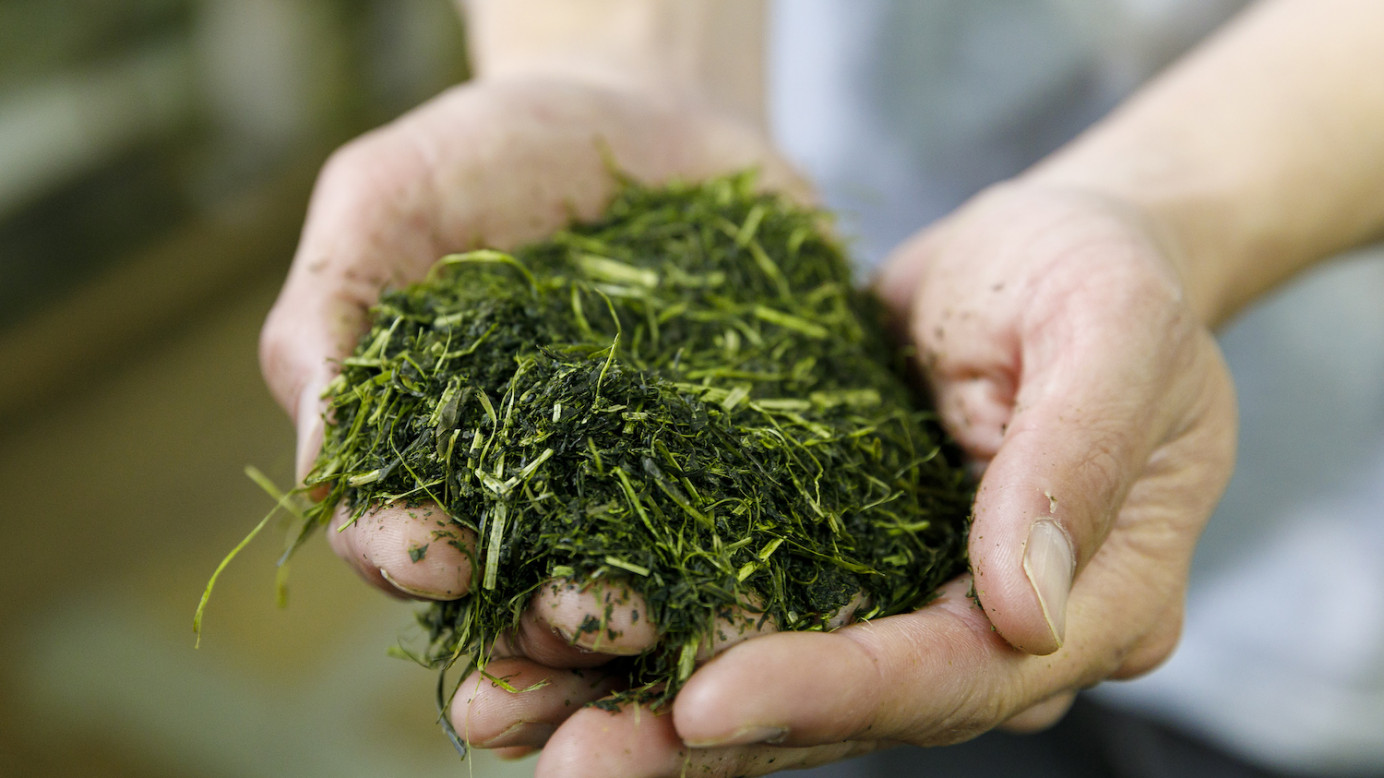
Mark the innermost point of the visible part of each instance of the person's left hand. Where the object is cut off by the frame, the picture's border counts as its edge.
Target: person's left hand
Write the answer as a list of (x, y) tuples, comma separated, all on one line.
[(1065, 360), (496, 162)]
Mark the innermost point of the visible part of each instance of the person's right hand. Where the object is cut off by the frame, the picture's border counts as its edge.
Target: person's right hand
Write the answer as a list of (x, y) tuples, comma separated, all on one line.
[(492, 163), (1054, 325)]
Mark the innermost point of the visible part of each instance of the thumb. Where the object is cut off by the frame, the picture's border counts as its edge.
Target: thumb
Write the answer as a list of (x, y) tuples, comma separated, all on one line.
[(1084, 427)]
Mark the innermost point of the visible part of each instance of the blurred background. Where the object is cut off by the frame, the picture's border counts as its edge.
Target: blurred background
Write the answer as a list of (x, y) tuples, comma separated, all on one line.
[(155, 163)]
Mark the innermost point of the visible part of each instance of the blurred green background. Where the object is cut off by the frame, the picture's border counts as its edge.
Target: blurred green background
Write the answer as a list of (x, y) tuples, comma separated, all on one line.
[(155, 163)]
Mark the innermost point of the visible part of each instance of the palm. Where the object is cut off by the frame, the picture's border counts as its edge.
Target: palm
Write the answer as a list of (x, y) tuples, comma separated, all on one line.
[(1064, 360)]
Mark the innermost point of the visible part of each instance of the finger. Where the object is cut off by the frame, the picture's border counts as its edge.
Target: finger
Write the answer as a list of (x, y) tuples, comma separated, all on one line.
[(572, 625), (897, 280), (633, 742), (736, 625), (1041, 716), (517, 702), (638, 743), (748, 620), (1081, 437), (1157, 646), (969, 353), (1096, 394), (940, 675), (368, 225), (514, 752), (602, 617), (937, 676), (413, 551), (569, 606)]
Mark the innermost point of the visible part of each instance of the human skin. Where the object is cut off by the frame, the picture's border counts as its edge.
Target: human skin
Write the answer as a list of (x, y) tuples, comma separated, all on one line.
[(1063, 320)]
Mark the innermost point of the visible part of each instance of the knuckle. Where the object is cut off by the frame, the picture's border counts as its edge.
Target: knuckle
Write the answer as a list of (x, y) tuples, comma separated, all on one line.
[(350, 165), (1103, 466), (1154, 649), (967, 720), (1040, 715), (374, 172)]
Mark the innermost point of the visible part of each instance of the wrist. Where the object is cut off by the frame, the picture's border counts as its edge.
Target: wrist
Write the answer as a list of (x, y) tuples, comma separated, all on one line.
[(706, 52), (1258, 154), (1190, 211)]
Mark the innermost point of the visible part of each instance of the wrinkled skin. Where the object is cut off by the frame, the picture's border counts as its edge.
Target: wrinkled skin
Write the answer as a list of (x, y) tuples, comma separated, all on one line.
[(1054, 331)]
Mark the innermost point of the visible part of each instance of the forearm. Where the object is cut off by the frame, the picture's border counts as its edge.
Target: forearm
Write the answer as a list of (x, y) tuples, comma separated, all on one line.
[(703, 50), (1260, 153)]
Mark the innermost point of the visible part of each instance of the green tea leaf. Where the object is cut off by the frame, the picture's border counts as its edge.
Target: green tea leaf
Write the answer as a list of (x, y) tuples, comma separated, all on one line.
[(688, 396)]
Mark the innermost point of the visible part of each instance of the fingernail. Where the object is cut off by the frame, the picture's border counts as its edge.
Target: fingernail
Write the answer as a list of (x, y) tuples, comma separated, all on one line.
[(523, 733), (744, 736), (412, 591), (1050, 564), (309, 431)]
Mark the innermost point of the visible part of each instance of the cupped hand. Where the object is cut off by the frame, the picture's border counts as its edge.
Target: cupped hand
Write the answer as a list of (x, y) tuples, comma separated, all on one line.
[(490, 164), (1064, 357)]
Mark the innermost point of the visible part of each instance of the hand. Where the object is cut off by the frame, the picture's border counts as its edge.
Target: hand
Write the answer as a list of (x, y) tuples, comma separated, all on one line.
[(493, 163), (1065, 360)]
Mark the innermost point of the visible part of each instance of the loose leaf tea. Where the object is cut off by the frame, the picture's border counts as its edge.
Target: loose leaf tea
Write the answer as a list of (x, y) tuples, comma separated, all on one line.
[(688, 397)]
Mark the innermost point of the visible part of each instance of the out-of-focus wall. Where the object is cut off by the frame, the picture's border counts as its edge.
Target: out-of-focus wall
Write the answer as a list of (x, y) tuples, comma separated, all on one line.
[(119, 121), (155, 161)]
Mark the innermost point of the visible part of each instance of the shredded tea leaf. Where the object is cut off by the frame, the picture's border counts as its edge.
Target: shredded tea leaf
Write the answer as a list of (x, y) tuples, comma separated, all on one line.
[(688, 396)]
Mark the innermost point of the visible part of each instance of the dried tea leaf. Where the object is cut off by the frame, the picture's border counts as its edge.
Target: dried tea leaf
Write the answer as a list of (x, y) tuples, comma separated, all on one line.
[(688, 395)]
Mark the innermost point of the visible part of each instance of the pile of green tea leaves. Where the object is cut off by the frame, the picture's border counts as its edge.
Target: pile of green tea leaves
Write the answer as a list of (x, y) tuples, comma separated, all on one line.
[(688, 396)]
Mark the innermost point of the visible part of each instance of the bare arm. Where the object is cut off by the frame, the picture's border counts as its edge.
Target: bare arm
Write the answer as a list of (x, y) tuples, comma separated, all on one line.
[(1261, 152), (710, 50)]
